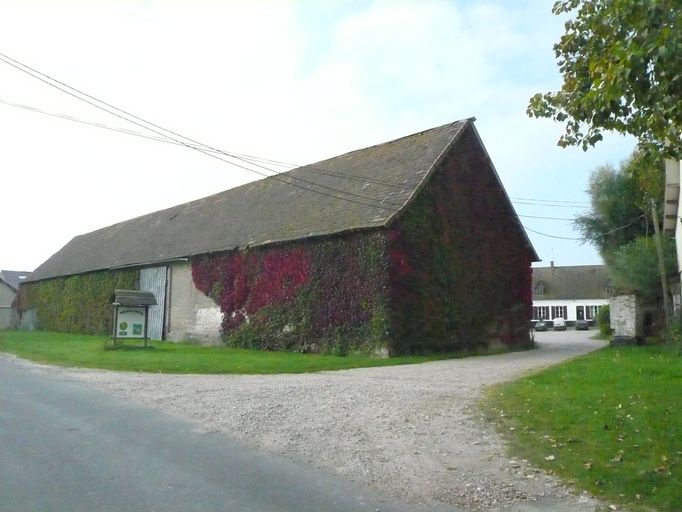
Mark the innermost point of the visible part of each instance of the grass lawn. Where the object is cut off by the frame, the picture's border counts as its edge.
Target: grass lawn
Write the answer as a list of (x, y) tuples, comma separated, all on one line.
[(89, 351), (609, 422)]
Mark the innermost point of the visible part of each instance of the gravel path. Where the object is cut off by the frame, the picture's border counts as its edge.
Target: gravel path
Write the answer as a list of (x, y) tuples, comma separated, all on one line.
[(413, 432)]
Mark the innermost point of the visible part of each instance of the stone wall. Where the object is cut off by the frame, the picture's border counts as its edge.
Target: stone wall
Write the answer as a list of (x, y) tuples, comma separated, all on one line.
[(626, 317), (192, 316)]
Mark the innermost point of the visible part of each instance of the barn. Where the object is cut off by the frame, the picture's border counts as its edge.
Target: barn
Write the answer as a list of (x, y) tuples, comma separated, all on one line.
[(409, 246)]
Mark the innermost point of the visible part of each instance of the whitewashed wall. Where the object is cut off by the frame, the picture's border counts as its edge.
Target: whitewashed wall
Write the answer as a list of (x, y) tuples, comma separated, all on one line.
[(192, 315), (571, 305), (625, 316)]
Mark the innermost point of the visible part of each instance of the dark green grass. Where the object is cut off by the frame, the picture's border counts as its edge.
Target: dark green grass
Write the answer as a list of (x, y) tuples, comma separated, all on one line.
[(609, 422), (91, 352)]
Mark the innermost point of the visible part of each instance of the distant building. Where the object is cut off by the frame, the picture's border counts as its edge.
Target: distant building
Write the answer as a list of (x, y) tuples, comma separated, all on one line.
[(9, 285), (571, 292)]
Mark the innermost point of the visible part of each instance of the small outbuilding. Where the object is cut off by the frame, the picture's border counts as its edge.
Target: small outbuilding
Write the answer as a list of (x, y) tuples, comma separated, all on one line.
[(403, 247), (10, 280)]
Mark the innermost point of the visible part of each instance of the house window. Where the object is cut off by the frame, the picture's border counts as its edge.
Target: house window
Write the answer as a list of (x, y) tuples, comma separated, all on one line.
[(559, 312), (539, 289), (592, 311), (609, 289), (540, 312)]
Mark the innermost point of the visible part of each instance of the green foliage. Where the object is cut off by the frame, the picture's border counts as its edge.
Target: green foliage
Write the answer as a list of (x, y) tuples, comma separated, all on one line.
[(634, 267), (621, 66), (166, 357), (604, 320), (621, 202), (614, 205), (609, 422), (76, 304)]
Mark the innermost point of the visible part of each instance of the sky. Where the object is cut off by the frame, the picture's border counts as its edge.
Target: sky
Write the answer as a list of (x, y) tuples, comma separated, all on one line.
[(289, 81)]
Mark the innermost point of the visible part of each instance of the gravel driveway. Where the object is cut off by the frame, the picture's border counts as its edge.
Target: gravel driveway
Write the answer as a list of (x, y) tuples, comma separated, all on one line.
[(413, 431)]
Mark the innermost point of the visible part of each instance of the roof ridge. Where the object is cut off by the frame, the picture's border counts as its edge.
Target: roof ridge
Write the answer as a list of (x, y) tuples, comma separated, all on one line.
[(388, 142), (465, 122)]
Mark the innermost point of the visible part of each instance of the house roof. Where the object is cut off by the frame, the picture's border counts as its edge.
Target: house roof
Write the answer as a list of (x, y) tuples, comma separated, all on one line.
[(362, 189), (571, 282), (14, 278)]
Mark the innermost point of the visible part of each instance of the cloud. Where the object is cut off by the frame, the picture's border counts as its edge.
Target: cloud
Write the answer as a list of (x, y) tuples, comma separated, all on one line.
[(293, 81)]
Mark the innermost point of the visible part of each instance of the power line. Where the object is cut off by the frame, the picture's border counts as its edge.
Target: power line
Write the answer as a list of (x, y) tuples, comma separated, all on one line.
[(545, 218), (552, 205), (619, 228), (226, 153), (249, 158), (549, 200), (252, 158), (550, 236), (208, 149), (170, 141), (205, 149)]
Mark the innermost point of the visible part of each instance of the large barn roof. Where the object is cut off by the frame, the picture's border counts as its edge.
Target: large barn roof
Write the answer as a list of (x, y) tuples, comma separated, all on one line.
[(362, 189)]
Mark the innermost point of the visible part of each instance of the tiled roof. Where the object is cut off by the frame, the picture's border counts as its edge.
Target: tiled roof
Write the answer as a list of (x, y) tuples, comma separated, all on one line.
[(362, 189), (14, 277), (571, 282)]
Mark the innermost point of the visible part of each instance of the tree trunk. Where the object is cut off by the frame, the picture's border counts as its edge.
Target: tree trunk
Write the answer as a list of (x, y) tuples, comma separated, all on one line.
[(661, 268)]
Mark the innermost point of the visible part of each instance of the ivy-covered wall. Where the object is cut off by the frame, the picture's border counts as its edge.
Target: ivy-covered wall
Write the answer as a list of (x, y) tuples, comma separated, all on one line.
[(452, 273), (77, 304), (319, 296), (460, 276)]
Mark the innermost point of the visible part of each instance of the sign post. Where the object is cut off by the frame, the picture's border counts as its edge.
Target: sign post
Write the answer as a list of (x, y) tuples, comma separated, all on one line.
[(131, 314)]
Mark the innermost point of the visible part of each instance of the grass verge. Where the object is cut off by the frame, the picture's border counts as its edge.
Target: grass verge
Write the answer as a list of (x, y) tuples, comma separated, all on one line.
[(609, 422), (89, 352)]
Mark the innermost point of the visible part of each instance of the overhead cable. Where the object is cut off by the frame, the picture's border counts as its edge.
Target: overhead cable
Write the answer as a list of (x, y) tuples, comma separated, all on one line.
[(199, 146)]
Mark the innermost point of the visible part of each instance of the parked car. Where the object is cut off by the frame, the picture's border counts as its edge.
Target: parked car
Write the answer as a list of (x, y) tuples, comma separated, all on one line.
[(581, 325), (540, 325), (559, 324)]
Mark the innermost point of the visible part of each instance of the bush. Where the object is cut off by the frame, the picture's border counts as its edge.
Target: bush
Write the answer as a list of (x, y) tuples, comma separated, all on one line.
[(604, 320)]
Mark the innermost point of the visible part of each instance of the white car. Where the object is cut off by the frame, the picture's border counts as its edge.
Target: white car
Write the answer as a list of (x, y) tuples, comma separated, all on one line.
[(559, 324)]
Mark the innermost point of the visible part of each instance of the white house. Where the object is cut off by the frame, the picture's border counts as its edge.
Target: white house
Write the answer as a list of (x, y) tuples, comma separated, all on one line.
[(571, 292)]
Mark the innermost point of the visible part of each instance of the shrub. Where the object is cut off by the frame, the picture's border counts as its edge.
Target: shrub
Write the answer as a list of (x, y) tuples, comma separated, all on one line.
[(604, 320)]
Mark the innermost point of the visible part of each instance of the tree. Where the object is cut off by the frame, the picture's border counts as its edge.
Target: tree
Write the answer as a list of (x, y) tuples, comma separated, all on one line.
[(621, 203), (634, 267), (622, 70)]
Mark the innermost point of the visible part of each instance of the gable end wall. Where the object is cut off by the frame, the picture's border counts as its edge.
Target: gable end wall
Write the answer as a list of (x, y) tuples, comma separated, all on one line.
[(460, 271)]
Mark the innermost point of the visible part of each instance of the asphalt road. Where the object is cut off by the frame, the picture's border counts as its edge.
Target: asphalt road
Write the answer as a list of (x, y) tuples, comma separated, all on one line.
[(64, 447)]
